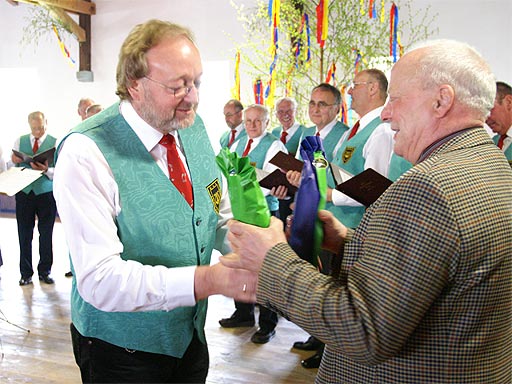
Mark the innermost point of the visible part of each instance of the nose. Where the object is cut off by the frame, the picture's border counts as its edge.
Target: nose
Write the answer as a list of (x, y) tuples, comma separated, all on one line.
[(385, 115), (193, 95)]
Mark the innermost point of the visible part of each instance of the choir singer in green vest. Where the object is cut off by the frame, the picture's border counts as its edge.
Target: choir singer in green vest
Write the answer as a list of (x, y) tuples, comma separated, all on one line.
[(143, 205)]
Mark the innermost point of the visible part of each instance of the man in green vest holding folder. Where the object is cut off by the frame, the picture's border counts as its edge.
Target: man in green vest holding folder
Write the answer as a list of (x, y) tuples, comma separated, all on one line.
[(143, 205), (36, 200)]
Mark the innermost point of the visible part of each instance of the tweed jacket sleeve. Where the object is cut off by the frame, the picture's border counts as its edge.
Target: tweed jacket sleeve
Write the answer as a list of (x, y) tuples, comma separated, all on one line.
[(374, 306), (426, 268)]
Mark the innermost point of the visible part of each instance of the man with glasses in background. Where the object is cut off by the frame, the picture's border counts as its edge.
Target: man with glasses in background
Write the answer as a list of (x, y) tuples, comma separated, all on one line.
[(324, 108), (143, 204), (233, 114)]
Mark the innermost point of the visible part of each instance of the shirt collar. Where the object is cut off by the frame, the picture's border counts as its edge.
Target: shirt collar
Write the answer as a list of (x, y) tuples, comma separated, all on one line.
[(369, 117), (41, 139), (327, 129), (290, 131)]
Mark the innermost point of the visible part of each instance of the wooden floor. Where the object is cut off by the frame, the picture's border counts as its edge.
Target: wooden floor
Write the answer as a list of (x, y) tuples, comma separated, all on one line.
[(44, 355)]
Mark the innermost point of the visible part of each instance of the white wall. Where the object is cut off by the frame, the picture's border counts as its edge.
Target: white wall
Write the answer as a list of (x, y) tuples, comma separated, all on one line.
[(40, 78)]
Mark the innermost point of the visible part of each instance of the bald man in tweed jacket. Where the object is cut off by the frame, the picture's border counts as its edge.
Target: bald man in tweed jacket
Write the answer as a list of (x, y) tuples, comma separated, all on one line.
[(424, 294)]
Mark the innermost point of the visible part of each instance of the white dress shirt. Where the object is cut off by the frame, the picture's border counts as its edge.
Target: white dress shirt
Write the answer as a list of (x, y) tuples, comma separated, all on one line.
[(275, 147), (88, 202), (376, 152)]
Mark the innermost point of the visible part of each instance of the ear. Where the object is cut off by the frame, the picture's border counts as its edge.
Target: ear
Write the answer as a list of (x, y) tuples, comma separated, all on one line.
[(507, 102), (135, 89), (373, 88), (445, 98)]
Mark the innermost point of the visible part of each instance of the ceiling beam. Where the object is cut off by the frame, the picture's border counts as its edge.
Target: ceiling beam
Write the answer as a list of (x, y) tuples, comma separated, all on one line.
[(73, 6), (68, 21)]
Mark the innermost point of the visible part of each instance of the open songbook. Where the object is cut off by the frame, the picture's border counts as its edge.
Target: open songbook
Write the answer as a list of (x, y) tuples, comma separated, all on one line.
[(16, 178), (38, 158)]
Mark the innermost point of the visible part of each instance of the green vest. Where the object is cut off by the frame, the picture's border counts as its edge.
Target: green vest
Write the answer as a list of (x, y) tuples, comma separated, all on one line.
[(397, 166), (157, 227), (350, 157), (257, 157), (292, 143), (507, 152), (43, 184), (330, 142), (224, 139)]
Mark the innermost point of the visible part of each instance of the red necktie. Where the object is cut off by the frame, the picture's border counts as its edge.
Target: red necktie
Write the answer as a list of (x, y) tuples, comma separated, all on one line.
[(36, 146), (354, 130), (177, 173), (283, 136), (318, 133), (501, 140), (248, 148), (232, 138)]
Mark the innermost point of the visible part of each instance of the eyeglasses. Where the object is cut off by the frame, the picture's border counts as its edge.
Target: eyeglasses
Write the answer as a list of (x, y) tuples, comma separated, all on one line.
[(356, 83), (320, 104), (286, 112), (229, 114), (177, 92)]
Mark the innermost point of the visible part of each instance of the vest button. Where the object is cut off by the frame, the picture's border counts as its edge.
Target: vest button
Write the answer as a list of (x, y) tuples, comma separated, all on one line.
[(202, 249), (198, 222)]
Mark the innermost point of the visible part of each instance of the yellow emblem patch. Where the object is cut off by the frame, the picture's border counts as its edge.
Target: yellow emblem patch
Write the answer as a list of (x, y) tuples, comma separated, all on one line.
[(215, 194), (347, 154)]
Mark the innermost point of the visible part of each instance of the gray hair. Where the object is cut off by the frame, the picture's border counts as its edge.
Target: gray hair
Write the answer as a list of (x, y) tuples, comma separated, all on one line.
[(290, 100), (462, 67), (261, 108)]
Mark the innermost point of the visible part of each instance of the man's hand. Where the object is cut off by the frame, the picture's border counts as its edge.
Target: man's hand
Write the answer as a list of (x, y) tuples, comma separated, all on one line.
[(219, 279), (251, 244), (293, 178), (334, 231), (15, 159), (40, 166), (280, 192)]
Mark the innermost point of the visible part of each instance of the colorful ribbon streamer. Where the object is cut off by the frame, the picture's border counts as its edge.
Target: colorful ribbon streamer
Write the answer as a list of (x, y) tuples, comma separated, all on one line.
[(358, 60), (288, 88), (393, 32), (372, 13), (236, 89), (258, 91), (382, 11), (63, 48), (344, 106), (271, 86), (331, 74), (303, 55), (322, 14)]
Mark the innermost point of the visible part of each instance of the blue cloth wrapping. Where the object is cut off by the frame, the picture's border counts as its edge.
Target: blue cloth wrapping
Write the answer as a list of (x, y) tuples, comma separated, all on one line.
[(307, 198)]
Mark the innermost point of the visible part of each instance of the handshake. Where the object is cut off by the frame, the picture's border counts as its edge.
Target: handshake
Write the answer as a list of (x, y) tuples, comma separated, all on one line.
[(236, 275)]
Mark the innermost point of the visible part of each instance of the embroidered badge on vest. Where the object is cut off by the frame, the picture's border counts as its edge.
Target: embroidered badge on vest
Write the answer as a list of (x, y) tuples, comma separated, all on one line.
[(347, 154), (215, 194)]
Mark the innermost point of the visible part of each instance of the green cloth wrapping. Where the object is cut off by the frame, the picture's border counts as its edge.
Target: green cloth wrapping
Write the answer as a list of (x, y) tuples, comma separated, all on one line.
[(247, 200), (320, 164)]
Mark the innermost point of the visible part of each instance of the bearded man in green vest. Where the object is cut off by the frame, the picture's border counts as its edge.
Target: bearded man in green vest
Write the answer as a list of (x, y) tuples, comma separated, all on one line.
[(143, 205)]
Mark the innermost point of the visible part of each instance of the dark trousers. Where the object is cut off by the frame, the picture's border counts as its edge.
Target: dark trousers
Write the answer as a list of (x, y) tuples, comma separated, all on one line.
[(102, 362), (28, 207), (268, 319)]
